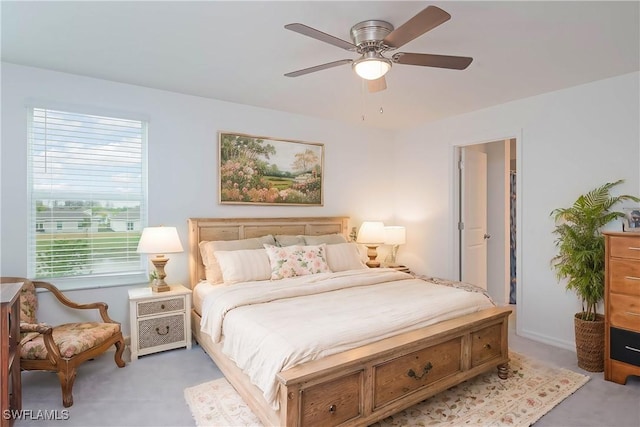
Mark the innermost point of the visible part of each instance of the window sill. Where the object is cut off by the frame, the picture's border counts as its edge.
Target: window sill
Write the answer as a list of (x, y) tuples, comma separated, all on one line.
[(96, 282)]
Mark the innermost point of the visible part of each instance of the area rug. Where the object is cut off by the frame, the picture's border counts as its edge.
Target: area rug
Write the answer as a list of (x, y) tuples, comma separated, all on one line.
[(531, 390)]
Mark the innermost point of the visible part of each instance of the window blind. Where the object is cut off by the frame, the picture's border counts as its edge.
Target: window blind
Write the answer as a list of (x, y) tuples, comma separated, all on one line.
[(87, 181)]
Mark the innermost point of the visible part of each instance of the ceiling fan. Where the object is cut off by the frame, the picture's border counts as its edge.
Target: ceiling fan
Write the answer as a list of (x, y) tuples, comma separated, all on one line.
[(373, 38)]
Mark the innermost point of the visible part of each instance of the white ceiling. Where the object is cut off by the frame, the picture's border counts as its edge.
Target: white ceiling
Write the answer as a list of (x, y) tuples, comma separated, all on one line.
[(238, 51)]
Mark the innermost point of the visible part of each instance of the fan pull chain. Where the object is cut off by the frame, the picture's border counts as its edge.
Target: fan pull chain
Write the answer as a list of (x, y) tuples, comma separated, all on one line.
[(363, 106)]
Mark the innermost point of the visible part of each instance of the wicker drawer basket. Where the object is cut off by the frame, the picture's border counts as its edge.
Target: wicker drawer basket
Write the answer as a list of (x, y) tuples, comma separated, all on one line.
[(163, 306), (161, 330)]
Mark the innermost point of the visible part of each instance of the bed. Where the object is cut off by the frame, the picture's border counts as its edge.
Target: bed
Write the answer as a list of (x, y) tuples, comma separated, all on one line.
[(349, 385)]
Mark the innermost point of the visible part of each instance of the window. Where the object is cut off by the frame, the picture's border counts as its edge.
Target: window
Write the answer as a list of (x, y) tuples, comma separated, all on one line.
[(87, 178)]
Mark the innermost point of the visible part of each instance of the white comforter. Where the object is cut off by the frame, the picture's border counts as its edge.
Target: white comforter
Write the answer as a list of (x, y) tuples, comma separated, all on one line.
[(269, 326)]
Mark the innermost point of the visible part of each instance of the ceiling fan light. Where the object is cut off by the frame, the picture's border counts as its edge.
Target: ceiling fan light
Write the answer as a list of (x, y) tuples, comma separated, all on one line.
[(372, 67)]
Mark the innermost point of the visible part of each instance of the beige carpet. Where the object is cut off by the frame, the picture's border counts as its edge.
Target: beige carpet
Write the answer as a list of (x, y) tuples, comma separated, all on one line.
[(531, 391)]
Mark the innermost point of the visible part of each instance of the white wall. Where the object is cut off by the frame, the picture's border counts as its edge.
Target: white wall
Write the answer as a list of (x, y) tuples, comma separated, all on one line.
[(570, 142), (183, 158)]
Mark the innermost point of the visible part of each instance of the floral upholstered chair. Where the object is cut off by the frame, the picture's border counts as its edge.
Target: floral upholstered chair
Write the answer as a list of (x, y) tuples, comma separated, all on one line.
[(62, 348)]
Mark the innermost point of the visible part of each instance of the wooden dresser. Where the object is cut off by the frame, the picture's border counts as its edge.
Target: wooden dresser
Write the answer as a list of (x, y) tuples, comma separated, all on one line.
[(11, 392), (622, 306)]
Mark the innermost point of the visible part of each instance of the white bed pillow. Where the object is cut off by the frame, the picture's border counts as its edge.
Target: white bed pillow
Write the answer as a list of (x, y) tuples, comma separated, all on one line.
[(207, 249), (344, 256), (296, 260), (329, 239), (243, 265)]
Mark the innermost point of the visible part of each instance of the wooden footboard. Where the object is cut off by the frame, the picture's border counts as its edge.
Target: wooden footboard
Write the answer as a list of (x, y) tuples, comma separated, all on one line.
[(361, 386)]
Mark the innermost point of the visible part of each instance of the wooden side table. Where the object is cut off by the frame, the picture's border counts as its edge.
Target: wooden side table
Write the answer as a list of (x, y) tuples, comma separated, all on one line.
[(159, 320), (402, 268), (11, 391)]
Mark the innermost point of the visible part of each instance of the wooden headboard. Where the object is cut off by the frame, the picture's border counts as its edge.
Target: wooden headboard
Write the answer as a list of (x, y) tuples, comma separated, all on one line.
[(209, 229)]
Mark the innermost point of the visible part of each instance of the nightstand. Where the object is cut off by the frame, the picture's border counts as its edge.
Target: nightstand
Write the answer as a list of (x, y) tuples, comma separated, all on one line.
[(402, 268), (159, 320)]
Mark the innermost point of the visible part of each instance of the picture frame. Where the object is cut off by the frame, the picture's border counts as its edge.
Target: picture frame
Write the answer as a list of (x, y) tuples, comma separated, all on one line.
[(631, 220), (259, 170)]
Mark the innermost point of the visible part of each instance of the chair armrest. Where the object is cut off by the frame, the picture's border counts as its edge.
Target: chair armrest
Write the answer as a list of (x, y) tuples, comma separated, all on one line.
[(41, 328), (32, 329), (101, 306)]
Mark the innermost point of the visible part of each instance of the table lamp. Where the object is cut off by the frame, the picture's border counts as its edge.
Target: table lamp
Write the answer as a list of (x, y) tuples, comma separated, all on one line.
[(159, 241)]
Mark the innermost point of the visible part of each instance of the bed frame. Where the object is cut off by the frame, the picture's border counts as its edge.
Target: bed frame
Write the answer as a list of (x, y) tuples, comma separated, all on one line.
[(360, 386)]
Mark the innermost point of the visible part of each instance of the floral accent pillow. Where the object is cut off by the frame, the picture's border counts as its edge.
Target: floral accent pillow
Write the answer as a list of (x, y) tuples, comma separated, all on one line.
[(297, 260)]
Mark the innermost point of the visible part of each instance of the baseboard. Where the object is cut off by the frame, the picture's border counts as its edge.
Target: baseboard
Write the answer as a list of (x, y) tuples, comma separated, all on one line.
[(567, 345)]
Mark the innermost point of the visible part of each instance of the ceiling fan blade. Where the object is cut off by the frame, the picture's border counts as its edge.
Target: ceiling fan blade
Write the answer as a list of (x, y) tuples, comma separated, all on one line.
[(377, 85), (318, 68), (428, 60), (424, 21), (319, 35)]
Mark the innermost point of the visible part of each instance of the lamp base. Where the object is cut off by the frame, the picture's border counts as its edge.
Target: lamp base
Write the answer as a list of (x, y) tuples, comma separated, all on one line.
[(372, 253), (390, 260), (160, 286)]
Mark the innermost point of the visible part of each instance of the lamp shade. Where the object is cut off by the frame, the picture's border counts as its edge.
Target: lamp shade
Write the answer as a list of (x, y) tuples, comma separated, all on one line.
[(371, 232), (395, 235), (159, 240)]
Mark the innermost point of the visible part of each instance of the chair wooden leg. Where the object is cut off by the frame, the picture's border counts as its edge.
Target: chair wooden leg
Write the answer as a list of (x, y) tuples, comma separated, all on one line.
[(119, 350), (67, 377)]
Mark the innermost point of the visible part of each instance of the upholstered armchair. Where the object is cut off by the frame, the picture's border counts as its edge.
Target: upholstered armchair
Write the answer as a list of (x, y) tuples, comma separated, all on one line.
[(62, 348)]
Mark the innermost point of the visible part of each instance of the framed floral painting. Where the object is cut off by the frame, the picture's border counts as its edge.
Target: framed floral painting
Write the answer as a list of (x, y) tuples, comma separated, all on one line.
[(269, 171)]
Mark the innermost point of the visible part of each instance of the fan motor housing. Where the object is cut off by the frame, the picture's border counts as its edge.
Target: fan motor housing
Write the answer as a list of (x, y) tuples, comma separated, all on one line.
[(370, 33)]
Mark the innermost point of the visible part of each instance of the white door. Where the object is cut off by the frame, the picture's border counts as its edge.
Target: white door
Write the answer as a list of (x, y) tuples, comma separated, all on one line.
[(473, 217)]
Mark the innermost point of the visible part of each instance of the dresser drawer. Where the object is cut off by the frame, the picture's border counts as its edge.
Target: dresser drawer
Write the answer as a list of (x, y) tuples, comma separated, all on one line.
[(486, 344), (625, 247), (320, 407), (157, 331), (624, 311), (625, 346), (150, 308), (406, 374), (624, 276)]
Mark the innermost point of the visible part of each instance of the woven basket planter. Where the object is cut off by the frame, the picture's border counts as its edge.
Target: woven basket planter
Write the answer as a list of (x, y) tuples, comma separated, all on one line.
[(590, 343)]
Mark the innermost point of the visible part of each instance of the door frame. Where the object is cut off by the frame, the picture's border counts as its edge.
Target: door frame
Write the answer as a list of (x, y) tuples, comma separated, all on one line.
[(454, 153)]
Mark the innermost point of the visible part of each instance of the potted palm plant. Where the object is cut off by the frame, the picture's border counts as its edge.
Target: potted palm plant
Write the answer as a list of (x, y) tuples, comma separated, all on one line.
[(580, 260)]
